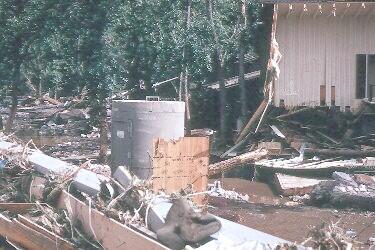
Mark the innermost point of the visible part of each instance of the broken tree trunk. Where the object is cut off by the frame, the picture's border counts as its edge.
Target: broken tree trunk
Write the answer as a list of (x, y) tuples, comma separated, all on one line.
[(245, 131), (237, 161), (339, 152)]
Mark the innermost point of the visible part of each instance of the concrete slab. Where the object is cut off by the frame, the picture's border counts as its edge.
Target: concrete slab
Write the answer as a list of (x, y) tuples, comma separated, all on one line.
[(48, 165)]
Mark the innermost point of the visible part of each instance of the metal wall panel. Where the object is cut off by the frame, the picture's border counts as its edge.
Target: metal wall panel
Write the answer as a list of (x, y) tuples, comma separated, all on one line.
[(321, 50)]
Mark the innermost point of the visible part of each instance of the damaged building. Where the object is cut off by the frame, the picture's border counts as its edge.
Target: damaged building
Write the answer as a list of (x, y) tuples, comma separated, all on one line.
[(328, 50)]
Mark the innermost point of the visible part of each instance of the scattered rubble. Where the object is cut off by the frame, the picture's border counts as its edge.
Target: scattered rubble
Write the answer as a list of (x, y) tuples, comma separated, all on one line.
[(216, 190)]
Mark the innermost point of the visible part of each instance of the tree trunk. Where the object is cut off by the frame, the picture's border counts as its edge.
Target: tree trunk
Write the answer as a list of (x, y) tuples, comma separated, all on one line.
[(241, 62), (103, 130), (237, 161), (220, 71), (184, 83), (13, 108)]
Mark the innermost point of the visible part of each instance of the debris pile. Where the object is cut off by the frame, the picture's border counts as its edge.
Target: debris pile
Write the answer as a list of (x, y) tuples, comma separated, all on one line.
[(61, 128), (73, 206), (304, 147)]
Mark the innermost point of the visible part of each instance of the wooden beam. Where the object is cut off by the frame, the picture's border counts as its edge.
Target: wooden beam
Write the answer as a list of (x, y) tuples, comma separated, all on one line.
[(322, 95), (61, 243), (110, 233)]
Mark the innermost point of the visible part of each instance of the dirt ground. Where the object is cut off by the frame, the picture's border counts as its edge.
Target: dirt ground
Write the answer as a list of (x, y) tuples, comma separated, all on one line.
[(280, 217)]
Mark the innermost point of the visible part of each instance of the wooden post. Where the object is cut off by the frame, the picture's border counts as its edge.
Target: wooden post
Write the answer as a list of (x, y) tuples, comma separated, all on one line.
[(322, 95)]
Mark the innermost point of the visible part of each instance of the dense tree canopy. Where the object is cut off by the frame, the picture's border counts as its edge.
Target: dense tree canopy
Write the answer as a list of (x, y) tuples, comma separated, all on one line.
[(60, 47)]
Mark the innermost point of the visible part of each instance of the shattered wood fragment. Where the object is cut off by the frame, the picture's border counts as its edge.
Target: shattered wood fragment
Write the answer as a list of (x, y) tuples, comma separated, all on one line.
[(237, 161), (60, 242)]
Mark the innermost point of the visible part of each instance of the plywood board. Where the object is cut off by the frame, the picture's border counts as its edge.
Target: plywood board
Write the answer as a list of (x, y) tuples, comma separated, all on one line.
[(178, 164), (24, 235)]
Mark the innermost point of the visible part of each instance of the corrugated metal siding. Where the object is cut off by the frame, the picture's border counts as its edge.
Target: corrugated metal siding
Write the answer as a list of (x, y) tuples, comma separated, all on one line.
[(321, 51)]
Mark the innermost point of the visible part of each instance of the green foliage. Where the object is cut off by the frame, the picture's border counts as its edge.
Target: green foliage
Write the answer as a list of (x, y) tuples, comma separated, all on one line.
[(64, 46)]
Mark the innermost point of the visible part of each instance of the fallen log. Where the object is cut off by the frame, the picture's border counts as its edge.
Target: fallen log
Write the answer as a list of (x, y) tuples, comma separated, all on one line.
[(339, 152), (237, 161)]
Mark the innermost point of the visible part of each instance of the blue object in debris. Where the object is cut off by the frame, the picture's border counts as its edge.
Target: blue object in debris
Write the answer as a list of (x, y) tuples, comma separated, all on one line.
[(3, 163)]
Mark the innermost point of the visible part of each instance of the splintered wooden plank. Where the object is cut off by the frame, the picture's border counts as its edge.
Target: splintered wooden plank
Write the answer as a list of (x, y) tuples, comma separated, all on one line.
[(293, 185), (60, 242), (110, 233), (23, 235)]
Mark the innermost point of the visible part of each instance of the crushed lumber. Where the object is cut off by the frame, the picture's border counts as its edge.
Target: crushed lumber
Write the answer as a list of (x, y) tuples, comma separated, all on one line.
[(247, 158), (24, 235)]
